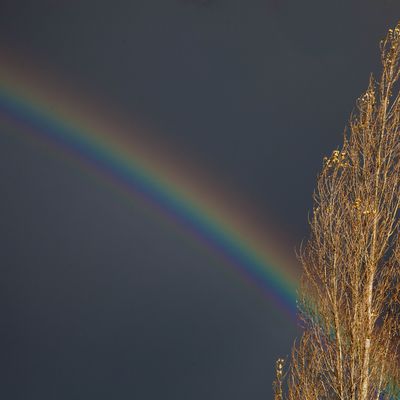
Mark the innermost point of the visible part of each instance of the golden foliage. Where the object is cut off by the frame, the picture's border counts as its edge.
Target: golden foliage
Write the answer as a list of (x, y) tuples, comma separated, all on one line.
[(350, 292)]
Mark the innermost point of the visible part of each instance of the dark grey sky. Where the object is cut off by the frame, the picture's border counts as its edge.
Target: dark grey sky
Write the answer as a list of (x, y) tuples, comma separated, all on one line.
[(101, 300)]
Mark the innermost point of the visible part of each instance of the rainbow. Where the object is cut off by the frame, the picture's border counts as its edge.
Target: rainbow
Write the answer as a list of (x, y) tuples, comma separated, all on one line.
[(37, 109)]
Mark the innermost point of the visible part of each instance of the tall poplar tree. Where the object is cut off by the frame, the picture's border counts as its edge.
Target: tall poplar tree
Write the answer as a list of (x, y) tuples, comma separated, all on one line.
[(349, 298)]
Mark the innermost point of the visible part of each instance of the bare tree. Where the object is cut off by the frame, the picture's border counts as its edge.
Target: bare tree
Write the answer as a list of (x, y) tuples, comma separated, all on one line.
[(349, 299)]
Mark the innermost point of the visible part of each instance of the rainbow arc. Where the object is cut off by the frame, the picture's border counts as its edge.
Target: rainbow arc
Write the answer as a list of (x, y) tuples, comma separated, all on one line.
[(35, 110)]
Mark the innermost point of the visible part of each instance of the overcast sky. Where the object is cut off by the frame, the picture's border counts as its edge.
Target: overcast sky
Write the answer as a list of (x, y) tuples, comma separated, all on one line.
[(99, 299)]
